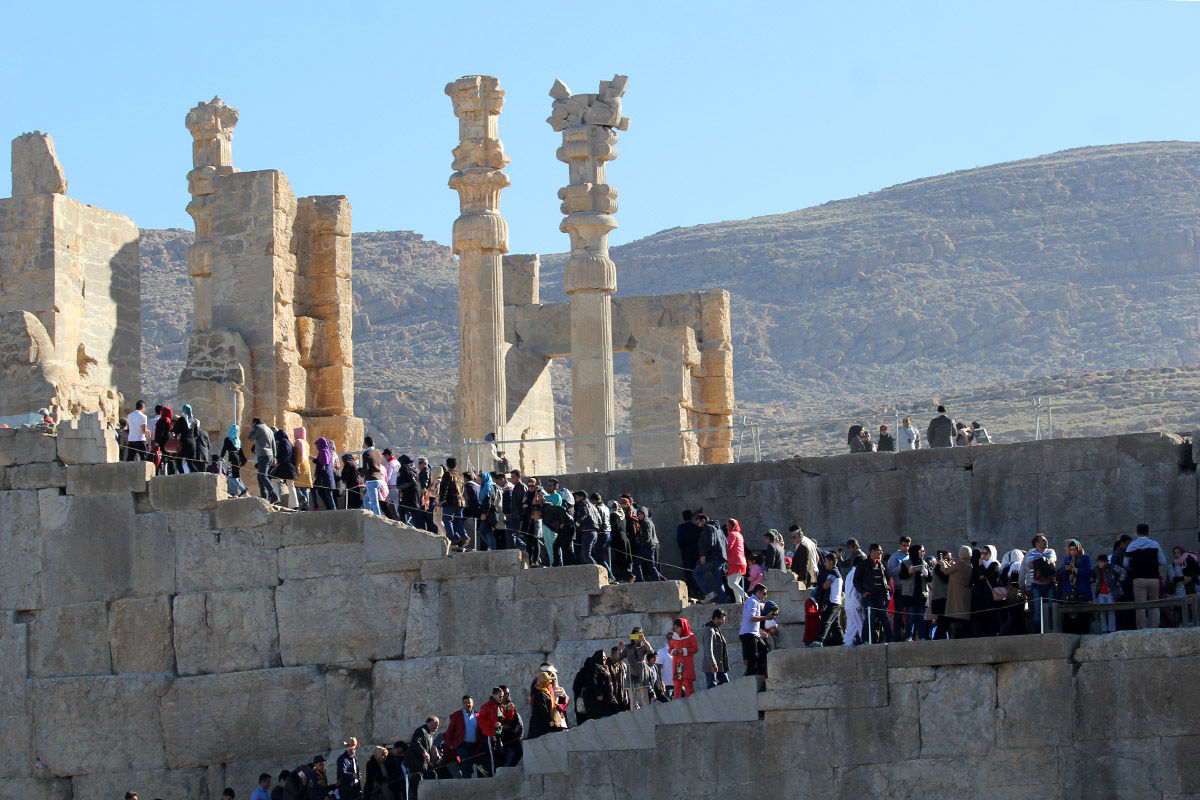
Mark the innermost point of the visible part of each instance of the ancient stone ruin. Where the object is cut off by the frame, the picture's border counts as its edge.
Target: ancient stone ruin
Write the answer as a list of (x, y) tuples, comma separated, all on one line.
[(680, 344), (272, 299), (70, 283)]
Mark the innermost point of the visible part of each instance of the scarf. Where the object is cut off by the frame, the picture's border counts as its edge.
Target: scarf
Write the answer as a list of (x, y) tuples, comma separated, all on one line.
[(989, 556), (324, 461), (187, 412), (232, 434), (544, 685), (1182, 559)]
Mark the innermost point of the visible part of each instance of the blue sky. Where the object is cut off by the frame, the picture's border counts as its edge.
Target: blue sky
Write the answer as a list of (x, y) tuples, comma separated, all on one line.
[(737, 110)]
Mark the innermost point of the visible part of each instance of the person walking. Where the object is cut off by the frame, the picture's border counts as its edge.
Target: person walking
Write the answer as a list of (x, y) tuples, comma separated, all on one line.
[(1145, 559), (684, 647), (262, 443), (754, 649), (235, 459), (139, 433), (715, 651)]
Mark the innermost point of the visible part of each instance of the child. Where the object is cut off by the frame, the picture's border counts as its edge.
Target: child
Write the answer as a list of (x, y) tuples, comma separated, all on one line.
[(1108, 579), (754, 574)]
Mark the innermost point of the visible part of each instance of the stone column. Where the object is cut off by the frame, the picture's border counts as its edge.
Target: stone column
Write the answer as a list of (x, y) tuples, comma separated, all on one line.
[(211, 125), (480, 241), (588, 123)]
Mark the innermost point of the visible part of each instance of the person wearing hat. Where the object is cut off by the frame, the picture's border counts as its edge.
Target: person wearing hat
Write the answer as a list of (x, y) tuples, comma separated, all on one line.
[(886, 443), (348, 780)]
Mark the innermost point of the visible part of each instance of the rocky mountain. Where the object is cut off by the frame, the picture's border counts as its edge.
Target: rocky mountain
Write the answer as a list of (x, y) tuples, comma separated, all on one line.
[(1076, 273)]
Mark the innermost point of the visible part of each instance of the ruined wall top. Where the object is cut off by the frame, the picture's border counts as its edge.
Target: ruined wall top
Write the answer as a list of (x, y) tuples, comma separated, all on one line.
[(35, 166), (211, 125), (603, 108)]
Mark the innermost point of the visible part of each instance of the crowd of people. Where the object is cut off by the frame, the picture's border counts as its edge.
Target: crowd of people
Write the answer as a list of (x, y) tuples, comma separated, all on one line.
[(943, 431)]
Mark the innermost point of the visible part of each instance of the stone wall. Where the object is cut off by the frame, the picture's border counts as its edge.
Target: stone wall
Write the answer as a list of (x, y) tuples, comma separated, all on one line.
[(1055, 717), (1093, 489)]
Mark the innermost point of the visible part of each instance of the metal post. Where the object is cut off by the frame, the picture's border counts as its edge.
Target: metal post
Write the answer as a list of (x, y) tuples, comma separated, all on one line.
[(757, 443), (1049, 418), (741, 435), (1037, 419)]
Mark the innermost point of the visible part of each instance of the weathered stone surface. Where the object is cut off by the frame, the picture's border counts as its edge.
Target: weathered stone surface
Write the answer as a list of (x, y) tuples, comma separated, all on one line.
[(1021, 689), (958, 711), (1127, 645), (826, 678), (367, 612), (195, 492), (37, 476), (626, 598), (90, 567), (139, 635), (27, 446), (393, 547), (560, 581), (206, 719), (192, 783), (487, 564), (117, 478), (217, 632), (348, 697), (69, 640), (20, 541), (984, 651), (153, 571), (35, 166), (100, 724), (243, 512), (16, 724), (327, 527), (872, 735), (47, 789), (1144, 683), (54, 509), (216, 560)]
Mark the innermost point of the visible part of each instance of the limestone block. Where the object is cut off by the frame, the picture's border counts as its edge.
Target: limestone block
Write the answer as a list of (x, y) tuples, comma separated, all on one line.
[(27, 446), (87, 566), (1021, 691), (194, 492), (560, 581), (422, 633), (614, 627), (225, 631), (957, 711), (1043, 647), (235, 559), (37, 476), (101, 724), (192, 523), (1144, 683), (16, 724), (873, 735), (122, 476), (192, 783), (628, 598), (488, 564), (139, 635), (803, 668), (54, 509), (1127, 645), (21, 543), (69, 640), (367, 612), (320, 560), (35, 166), (220, 718), (153, 571), (43, 789), (911, 675), (394, 547), (243, 512), (348, 697), (94, 447), (327, 527)]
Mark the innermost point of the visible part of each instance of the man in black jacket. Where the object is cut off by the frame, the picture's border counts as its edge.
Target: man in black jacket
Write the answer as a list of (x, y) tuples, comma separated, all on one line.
[(941, 431), (421, 756), (687, 535), (871, 581), (713, 551)]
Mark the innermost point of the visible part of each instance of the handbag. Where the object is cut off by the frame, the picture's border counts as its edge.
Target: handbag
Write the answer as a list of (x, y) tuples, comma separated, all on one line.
[(172, 445), (999, 593)]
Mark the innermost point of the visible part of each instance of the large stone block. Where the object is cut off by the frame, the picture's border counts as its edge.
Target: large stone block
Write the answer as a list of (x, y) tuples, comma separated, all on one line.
[(199, 491), (1128, 645), (629, 598), (190, 783), (560, 581), (487, 564), (958, 711), (390, 546), (16, 724), (54, 509), (225, 631), (101, 724), (826, 678), (874, 735), (326, 527), (1022, 688), (82, 566), (341, 619), (942, 652), (27, 446), (1151, 698), (236, 559), (153, 570), (69, 640), (139, 635), (117, 478), (243, 512), (211, 719), (37, 476), (21, 542)]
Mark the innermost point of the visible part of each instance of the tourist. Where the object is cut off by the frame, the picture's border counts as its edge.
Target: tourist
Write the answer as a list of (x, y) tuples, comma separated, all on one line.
[(409, 493), (773, 557), (235, 459), (736, 554), (871, 580), (854, 438), (373, 476), (962, 435), (754, 649), (262, 791), (636, 653), (805, 562), (324, 481), (490, 724), (285, 468), (985, 578), (620, 523), (227, 793), (549, 701), (939, 590), (687, 539), (853, 604), (830, 582), (262, 444), (604, 536), (865, 444), (594, 685), (1182, 572), (941, 431), (397, 773), (512, 730), (958, 594), (909, 438), (348, 782), (587, 528), (1144, 559), (754, 570), (351, 478), (166, 445), (138, 428), (619, 672), (281, 790), (1108, 578), (683, 649), (660, 692), (713, 556), (886, 443), (421, 755), (979, 434), (662, 663), (462, 741), (426, 499), (184, 429), (1038, 572), (377, 785), (716, 652), (450, 498), (914, 594), (304, 469)]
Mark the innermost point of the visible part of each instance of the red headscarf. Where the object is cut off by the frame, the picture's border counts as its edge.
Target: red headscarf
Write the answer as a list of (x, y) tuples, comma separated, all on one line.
[(166, 413), (684, 628)]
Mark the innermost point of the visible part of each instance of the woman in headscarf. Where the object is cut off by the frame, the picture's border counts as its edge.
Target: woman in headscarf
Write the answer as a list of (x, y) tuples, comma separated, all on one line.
[(353, 481), (854, 438), (231, 453), (958, 593), (619, 671), (1012, 610), (1075, 586), (323, 480), (737, 561), (549, 702), (622, 563), (164, 442), (304, 471), (1182, 571), (683, 647), (284, 470), (595, 686), (985, 576), (184, 429)]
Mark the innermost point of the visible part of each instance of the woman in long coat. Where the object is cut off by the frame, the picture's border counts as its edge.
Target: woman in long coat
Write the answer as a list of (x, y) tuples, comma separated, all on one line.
[(958, 592)]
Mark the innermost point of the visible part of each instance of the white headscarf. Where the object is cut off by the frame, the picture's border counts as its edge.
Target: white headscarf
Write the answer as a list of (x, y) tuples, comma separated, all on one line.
[(989, 556)]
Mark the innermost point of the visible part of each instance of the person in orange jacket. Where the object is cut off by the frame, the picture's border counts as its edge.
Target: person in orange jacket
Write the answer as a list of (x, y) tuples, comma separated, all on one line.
[(683, 648), (489, 721)]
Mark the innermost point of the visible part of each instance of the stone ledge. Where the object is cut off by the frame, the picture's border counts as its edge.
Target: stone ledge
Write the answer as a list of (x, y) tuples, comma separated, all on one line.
[(127, 476), (488, 564), (196, 492), (1128, 645), (1034, 647), (644, 598), (560, 581)]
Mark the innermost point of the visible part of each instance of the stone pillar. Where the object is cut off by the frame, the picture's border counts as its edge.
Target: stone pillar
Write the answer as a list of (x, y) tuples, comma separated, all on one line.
[(480, 241), (211, 125), (588, 123)]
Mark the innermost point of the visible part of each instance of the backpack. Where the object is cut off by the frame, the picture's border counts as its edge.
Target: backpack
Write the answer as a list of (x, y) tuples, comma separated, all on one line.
[(1043, 569)]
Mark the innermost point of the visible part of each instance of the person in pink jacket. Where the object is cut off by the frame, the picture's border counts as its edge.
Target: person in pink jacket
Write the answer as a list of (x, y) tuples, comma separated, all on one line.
[(737, 561), (684, 646)]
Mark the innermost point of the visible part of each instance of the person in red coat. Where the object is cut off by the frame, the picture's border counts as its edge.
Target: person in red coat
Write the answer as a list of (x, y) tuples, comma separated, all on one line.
[(489, 718), (683, 648)]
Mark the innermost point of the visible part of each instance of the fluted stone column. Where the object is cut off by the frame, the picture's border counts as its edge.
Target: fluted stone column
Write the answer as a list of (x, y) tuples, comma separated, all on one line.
[(589, 125), (480, 240)]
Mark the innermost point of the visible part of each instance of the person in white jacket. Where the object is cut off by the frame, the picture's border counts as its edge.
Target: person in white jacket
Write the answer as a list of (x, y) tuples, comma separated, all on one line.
[(854, 620), (908, 437)]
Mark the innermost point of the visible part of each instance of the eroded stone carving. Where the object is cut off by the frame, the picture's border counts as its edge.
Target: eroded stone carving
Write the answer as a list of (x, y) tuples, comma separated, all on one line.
[(271, 329)]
